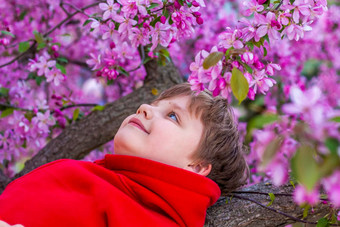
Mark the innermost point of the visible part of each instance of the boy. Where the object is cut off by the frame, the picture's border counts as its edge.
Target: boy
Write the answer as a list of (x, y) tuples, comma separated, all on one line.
[(157, 176)]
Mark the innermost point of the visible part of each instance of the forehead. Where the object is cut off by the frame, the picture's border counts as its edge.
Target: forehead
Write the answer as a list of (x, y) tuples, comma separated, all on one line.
[(193, 105)]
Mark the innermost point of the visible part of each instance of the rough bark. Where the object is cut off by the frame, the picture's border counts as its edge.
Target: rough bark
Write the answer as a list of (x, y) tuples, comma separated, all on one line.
[(237, 210), (99, 127)]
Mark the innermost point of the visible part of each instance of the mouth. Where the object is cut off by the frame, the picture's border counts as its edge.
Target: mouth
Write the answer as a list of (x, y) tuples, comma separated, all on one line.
[(138, 124)]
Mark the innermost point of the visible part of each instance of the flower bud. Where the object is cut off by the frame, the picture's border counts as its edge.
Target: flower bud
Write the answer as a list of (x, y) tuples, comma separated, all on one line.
[(112, 45), (163, 19), (199, 20), (177, 5), (196, 14), (55, 47), (196, 4)]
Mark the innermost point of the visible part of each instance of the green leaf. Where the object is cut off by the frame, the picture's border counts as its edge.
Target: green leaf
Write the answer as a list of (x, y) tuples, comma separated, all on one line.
[(248, 68), (272, 198), (266, 38), (39, 80), (270, 151), (250, 45), (329, 164), (336, 119), (153, 23), (123, 71), (180, 2), (153, 5), (62, 60), (86, 22), (6, 112), (305, 210), (62, 68), (98, 108), (23, 46), (41, 46), (75, 114), (38, 37), (304, 167), (22, 14), (58, 44), (212, 59), (239, 85), (7, 33), (264, 52), (322, 222), (147, 59), (4, 92), (332, 144), (227, 53), (292, 183), (261, 120)]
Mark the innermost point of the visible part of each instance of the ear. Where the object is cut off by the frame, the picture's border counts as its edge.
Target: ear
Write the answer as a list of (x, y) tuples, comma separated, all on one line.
[(200, 169)]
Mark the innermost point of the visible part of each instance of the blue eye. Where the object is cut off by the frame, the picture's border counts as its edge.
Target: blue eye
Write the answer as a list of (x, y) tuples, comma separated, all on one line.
[(173, 116)]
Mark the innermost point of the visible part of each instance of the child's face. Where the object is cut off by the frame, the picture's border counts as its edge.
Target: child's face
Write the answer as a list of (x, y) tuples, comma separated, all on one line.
[(164, 131)]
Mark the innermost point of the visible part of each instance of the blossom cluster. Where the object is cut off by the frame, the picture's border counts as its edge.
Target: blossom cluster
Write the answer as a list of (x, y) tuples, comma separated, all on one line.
[(268, 24), (130, 24)]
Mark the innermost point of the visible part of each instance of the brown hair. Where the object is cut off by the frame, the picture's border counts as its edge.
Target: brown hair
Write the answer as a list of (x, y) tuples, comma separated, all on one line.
[(220, 145)]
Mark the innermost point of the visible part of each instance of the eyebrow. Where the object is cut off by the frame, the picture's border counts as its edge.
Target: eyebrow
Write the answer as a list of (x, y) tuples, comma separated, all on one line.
[(184, 112)]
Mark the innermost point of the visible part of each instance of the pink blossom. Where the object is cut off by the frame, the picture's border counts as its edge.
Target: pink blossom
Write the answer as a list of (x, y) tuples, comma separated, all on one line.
[(270, 68), (267, 25), (230, 39), (109, 30), (294, 31), (300, 7), (283, 18), (139, 36), (44, 120), (110, 9), (261, 82), (94, 61), (160, 35), (332, 187), (248, 58), (302, 195), (130, 7), (248, 29), (302, 101), (54, 75), (43, 65), (125, 26), (278, 171), (251, 7), (4, 139)]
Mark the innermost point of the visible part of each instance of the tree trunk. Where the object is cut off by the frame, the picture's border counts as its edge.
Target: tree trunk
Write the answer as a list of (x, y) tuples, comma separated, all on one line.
[(99, 127)]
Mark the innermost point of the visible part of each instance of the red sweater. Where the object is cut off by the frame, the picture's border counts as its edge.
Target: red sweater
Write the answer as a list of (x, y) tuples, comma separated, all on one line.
[(116, 191)]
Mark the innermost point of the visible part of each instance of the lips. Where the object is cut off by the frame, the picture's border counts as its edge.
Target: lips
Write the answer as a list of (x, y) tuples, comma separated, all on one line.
[(138, 124)]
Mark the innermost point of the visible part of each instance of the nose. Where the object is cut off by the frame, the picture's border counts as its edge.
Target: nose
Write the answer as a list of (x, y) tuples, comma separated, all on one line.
[(146, 110)]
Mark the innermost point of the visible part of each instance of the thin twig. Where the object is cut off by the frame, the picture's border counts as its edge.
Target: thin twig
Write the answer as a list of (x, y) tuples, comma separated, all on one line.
[(63, 8), (67, 18), (279, 5), (19, 56), (274, 210), (13, 107), (76, 8), (266, 193), (43, 110), (261, 193), (79, 105)]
